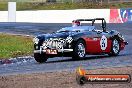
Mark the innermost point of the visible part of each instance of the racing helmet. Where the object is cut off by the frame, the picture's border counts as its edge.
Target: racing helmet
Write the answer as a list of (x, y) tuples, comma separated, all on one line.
[(76, 23)]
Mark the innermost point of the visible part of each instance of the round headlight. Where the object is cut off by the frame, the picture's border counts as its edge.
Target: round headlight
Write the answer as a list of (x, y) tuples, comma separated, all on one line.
[(36, 40), (121, 36), (44, 45), (69, 39)]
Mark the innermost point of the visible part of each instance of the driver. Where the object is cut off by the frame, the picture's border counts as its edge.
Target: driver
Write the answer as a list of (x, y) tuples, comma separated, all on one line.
[(75, 23)]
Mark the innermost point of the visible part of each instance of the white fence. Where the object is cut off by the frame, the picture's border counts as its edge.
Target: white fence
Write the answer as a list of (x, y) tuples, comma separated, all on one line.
[(56, 16), (3, 16)]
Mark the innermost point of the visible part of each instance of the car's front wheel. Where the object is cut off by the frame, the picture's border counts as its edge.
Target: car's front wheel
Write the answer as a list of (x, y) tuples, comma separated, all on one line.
[(115, 47), (79, 50), (41, 58)]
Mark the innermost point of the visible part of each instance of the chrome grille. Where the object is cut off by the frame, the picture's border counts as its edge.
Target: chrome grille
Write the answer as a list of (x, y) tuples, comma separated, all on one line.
[(54, 44)]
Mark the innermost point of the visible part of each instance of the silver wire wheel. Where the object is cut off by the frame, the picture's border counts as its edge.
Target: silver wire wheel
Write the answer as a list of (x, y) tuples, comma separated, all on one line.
[(115, 46), (81, 50)]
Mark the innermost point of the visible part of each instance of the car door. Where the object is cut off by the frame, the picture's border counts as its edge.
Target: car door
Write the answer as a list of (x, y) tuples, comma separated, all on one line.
[(98, 42), (93, 43), (104, 42)]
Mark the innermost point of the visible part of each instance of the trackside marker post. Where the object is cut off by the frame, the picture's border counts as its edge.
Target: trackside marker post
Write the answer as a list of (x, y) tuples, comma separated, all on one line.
[(11, 11)]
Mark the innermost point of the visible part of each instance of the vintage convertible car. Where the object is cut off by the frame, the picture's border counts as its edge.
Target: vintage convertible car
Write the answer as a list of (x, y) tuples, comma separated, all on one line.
[(79, 40)]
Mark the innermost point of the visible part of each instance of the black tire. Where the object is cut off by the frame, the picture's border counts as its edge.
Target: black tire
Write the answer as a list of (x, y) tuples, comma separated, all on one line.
[(115, 47), (81, 80), (76, 54), (40, 58)]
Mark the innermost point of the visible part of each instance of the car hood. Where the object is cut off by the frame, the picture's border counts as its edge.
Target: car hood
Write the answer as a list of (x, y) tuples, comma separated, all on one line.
[(63, 35)]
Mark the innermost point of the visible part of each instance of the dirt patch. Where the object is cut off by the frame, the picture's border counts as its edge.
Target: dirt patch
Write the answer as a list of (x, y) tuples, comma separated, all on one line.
[(60, 79)]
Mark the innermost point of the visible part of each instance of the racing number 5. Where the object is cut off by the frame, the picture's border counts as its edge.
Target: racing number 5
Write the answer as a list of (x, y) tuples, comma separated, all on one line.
[(103, 43)]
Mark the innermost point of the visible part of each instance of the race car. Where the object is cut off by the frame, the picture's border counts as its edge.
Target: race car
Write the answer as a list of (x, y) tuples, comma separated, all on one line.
[(78, 41)]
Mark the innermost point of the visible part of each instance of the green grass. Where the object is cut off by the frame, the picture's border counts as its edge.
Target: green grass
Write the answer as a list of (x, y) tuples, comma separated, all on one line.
[(3, 6), (66, 6), (14, 45), (63, 6)]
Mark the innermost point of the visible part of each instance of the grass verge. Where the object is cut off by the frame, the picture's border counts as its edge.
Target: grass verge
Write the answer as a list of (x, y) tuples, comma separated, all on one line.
[(64, 6), (15, 45)]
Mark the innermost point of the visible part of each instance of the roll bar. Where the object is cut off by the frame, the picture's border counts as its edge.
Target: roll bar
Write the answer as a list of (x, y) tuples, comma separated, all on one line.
[(93, 21)]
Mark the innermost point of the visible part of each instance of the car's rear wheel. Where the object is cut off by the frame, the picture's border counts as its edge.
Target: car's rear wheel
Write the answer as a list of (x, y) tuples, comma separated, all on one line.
[(79, 51), (115, 47), (41, 58)]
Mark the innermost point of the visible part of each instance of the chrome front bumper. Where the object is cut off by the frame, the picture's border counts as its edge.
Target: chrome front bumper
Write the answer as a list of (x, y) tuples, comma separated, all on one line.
[(60, 51)]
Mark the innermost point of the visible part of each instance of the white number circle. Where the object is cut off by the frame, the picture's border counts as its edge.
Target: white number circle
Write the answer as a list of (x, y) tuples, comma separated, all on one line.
[(103, 42)]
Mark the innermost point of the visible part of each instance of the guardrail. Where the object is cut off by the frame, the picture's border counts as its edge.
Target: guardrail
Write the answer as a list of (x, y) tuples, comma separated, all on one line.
[(66, 16)]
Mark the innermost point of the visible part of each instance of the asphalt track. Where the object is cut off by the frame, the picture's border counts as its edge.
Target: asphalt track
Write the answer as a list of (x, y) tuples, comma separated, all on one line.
[(62, 63)]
